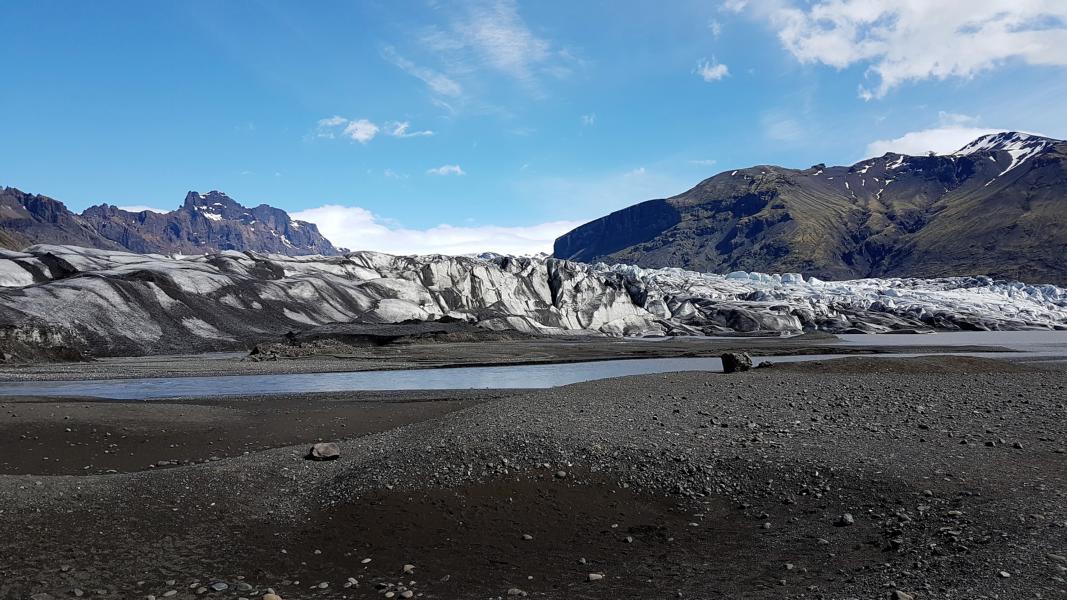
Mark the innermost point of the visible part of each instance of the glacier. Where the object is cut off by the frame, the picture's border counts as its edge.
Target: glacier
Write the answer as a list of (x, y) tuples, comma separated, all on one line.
[(104, 302)]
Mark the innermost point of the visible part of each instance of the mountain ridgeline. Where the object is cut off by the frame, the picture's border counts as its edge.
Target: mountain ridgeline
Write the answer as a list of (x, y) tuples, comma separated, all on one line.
[(997, 207), (204, 223)]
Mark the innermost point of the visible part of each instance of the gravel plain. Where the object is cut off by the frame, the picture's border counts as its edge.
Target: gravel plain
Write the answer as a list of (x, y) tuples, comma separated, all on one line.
[(937, 477)]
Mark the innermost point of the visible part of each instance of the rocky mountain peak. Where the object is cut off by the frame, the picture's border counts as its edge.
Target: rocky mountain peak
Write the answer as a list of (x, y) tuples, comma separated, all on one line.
[(1007, 141), (208, 222)]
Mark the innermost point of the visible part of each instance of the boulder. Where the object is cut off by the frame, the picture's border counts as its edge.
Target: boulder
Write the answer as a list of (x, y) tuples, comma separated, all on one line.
[(324, 451), (733, 362)]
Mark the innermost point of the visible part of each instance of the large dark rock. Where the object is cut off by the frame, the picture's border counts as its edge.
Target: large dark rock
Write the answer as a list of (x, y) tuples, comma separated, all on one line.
[(204, 223), (734, 362), (998, 207)]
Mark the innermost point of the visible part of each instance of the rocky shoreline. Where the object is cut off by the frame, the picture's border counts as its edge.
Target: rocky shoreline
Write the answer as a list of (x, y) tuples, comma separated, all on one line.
[(692, 485)]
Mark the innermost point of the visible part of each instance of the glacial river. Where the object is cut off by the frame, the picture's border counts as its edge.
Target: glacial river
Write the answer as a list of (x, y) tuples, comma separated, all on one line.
[(1028, 345)]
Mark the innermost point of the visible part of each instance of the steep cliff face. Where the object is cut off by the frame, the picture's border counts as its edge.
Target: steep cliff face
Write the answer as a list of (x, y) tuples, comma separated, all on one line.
[(204, 223), (997, 207), (68, 299)]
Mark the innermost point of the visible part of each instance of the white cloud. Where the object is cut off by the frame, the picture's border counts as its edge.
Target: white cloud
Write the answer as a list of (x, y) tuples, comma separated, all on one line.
[(952, 132), (711, 70), (363, 130), (940, 140), (359, 229), (901, 42), (705, 162), (446, 170), (589, 120), (715, 28), (141, 208)]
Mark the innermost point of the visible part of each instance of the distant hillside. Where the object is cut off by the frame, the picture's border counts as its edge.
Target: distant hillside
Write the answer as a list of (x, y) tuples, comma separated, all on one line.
[(204, 223), (996, 207)]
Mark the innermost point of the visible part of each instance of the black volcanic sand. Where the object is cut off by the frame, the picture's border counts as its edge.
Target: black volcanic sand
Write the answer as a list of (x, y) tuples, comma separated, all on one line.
[(690, 485), (451, 354), (72, 437)]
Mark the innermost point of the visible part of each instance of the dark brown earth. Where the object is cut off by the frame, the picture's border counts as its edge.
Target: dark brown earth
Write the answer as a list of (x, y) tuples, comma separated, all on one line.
[(954, 470)]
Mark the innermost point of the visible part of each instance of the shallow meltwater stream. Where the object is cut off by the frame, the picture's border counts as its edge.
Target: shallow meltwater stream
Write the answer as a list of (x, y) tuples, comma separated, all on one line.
[(1031, 345)]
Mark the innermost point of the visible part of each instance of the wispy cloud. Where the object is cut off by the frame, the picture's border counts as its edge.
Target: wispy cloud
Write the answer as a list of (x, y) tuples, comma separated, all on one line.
[(438, 83), (401, 129), (913, 41), (492, 34), (589, 120), (474, 40), (363, 130), (782, 127), (359, 229), (711, 70), (446, 170), (704, 162)]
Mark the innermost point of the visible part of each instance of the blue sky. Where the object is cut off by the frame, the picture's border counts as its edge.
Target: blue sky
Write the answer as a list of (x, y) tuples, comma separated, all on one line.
[(493, 124)]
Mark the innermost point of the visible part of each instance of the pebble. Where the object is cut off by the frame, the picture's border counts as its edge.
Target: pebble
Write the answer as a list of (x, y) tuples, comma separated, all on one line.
[(409, 569), (271, 597), (220, 586), (845, 520), (516, 592), (596, 576)]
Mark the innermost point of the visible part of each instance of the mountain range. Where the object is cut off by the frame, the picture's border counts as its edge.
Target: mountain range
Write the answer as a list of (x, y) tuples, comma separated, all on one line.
[(204, 223), (996, 207)]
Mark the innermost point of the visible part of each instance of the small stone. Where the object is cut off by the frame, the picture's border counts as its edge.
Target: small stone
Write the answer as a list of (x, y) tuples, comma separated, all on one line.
[(527, 537), (766, 526), (323, 585), (409, 569), (220, 586), (1004, 574), (845, 520), (324, 451), (365, 561), (899, 595), (1057, 558), (271, 597), (516, 592), (596, 576), (169, 593), (561, 474), (407, 594)]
